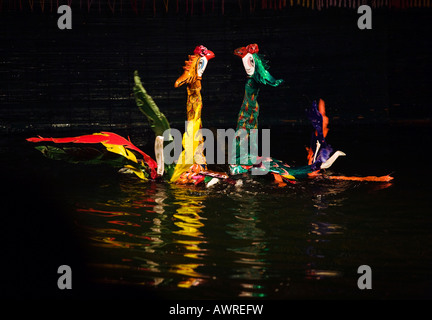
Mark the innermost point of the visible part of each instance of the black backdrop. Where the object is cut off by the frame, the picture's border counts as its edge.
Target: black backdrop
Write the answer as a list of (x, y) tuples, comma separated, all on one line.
[(52, 78)]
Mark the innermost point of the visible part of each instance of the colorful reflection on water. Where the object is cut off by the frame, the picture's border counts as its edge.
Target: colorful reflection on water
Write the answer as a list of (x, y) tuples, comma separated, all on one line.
[(148, 232), (256, 241)]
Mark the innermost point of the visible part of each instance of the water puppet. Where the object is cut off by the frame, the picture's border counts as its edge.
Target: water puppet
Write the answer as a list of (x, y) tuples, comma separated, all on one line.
[(320, 152), (191, 166), (119, 152), (192, 161), (158, 123), (320, 156), (257, 76)]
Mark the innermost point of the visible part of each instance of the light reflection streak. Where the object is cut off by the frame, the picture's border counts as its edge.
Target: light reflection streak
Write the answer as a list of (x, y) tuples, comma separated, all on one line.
[(250, 255), (322, 231), (158, 233), (177, 233), (189, 222)]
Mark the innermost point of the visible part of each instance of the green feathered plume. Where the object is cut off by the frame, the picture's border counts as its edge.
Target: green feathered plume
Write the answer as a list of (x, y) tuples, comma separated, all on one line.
[(261, 74)]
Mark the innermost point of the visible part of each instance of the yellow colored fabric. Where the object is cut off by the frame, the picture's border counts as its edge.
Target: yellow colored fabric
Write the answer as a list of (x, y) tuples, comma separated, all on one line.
[(127, 154), (121, 151), (193, 141)]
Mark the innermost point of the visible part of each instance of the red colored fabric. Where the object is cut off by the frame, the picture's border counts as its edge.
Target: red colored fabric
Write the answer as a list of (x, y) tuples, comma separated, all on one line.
[(104, 137)]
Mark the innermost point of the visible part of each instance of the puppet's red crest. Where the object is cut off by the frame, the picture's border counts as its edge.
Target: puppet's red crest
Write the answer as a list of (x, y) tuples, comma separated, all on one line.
[(204, 52), (251, 48)]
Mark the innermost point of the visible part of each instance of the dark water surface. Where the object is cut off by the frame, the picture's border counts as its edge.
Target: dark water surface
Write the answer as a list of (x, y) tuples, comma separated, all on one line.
[(126, 238)]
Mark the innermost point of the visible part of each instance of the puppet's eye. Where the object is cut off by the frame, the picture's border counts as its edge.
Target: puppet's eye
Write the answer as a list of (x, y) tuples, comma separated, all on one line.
[(202, 64), (252, 61), (249, 64)]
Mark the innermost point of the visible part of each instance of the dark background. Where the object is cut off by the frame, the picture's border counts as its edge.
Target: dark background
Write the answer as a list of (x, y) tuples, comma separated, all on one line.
[(83, 77)]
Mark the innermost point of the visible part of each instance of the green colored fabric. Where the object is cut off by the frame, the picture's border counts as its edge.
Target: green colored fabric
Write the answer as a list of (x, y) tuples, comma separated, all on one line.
[(148, 107), (248, 120), (261, 74), (158, 121), (89, 156), (249, 111)]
